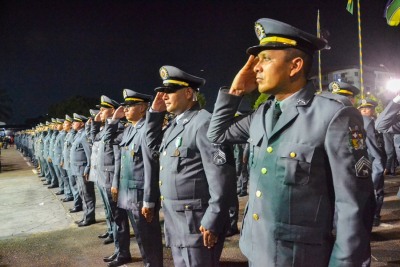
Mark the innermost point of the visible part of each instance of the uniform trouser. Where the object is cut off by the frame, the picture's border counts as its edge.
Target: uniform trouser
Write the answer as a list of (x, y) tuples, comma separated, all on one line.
[(148, 235), (122, 233), (67, 188), (51, 175), (109, 206), (86, 191), (198, 256), (75, 190), (43, 167), (60, 181), (378, 180)]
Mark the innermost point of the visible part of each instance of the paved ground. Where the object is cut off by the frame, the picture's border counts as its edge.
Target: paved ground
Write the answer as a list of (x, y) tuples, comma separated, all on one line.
[(36, 228)]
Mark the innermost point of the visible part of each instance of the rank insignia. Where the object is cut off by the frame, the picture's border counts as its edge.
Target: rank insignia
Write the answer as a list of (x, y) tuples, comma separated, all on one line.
[(335, 87), (219, 157), (356, 139), (363, 167)]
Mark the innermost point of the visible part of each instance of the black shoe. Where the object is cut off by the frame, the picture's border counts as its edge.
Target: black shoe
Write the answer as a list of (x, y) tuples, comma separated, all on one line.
[(231, 232), (105, 235), (52, 186), (377, 222), (46, 183), (108, 240), (119, 262), (86, 223), (67, 199), (78, 222), (60, 193), (43, 179), (73, 210), (110, 258)]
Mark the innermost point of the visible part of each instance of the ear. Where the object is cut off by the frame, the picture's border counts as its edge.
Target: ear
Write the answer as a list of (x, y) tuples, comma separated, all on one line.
[(297, 66), (189, 93)]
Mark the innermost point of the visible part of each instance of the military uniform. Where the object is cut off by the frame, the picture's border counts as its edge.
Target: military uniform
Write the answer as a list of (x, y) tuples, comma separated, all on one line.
[(313, 158), (80, 165), (129, 178), (65, 160), (57, 155), (194, 177)]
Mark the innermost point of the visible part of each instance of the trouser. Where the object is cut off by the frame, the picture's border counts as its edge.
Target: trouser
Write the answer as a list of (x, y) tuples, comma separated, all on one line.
[(234, 214), (148, 235), (51, 175), (75, 190), (86, 191), (198, 256), (378, 181), (43, 167), (60, 181), (108, 209), (67, 188)]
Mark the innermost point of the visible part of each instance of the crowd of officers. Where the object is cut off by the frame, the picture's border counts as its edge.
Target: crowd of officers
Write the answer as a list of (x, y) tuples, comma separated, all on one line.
[(311, 156)]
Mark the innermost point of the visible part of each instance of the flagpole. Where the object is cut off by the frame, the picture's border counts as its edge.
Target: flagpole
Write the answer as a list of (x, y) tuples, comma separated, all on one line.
[(319, 54), (360, 49)]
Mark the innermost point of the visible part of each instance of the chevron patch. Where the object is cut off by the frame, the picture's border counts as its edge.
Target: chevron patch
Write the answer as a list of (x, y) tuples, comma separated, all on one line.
[(219, 157), (363, 167)]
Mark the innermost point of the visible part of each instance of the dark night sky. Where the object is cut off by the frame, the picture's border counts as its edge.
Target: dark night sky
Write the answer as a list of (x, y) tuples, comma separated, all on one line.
[(53, 50)]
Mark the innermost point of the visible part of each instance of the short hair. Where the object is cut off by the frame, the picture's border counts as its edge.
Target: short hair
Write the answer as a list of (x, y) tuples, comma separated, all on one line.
[(307, 59)]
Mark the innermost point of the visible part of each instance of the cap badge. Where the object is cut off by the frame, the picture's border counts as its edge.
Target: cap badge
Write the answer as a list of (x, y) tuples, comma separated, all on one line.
[(164, 73), (364, 101), (259, 31), (335, 87), (125, 93)]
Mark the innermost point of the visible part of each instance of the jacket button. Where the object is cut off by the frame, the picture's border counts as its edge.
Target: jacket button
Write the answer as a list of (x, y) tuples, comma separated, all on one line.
[(164, 153), (264, 170), (270, 149), (160, 183), (258, 193), (161, 168), (292, 154), (161, 197), (256, 217)]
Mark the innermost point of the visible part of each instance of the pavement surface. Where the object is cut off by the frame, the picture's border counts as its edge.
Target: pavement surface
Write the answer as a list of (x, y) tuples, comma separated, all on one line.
[(36, 228)]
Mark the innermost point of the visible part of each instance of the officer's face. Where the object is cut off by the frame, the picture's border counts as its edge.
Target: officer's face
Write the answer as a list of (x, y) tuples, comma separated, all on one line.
[(135, 112), (106, 113), (369, 112), (179, 101), (59, 127), (273, 71), (77, 125), (66, 126)]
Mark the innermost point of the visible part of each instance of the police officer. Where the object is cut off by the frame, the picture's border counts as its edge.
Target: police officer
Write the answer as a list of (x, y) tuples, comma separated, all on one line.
[(57, 155), (344, 89), (129, 183), (71, 193), (55, 182), (80, 166), (194, 173), (103, 160), (307, 153), (376, 153)]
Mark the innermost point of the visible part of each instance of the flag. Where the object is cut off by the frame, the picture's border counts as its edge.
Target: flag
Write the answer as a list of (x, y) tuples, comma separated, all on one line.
[(350, 5)]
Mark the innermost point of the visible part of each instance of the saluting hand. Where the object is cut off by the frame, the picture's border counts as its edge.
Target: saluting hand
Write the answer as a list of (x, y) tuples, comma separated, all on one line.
[(119, 113), (158, 103), (245, 79), (148, 213), (209, 238), (114, 194), (97, 117)]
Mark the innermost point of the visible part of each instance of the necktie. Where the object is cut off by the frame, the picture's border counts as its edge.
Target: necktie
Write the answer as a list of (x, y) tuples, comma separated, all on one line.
[(276, 113)]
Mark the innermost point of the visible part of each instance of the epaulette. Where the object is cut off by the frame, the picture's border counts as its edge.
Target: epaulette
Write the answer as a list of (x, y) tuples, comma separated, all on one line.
[(336, 97)]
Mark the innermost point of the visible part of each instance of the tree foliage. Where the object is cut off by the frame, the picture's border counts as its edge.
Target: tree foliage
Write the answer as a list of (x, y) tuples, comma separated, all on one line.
[(76, 104)]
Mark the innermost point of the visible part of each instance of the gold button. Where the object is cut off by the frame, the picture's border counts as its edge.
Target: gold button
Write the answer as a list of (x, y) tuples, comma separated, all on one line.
[(256, 217), (162, 197), (186, 207), (160, 183), (270, 149), (258, 193), (292, 154), (161, 168), (264, 170), (164, 153)]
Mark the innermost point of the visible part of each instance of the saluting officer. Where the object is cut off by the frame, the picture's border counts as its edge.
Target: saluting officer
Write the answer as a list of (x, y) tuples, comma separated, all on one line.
[(376, 153), (80, 166), (71, 193), (129, 183), (196, 180), (307, 153), (57, 154)]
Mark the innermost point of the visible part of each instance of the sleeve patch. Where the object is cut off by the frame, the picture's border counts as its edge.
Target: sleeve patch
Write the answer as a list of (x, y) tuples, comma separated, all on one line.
[(363, 167), (356, 139)]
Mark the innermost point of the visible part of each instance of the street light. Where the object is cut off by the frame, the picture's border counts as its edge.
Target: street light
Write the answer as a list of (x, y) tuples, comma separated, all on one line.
[(393, 85)]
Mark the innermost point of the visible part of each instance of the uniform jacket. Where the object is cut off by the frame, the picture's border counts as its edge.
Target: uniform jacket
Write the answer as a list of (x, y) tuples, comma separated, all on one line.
[(69, 138), (129, 175), (389, 120), (46, 144), (80, 154), (313, 159), (193, 178), (58, 147), (51, 144)]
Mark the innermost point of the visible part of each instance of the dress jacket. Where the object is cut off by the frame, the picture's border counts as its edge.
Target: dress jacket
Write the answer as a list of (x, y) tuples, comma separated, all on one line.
[(314, 159)]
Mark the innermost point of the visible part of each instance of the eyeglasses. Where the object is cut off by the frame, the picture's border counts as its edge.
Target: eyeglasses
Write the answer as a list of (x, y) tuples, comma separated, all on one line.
[(131, 105)]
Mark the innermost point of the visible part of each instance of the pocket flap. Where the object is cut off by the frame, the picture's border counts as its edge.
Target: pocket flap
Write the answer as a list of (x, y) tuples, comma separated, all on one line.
[(296, 151), (296, 233), (182, 205)]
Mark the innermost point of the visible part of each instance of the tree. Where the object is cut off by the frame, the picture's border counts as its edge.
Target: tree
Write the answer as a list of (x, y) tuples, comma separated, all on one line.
[(76, 104)]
